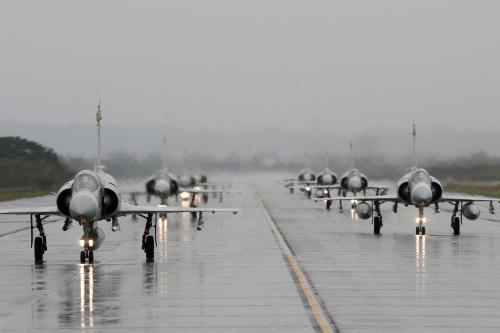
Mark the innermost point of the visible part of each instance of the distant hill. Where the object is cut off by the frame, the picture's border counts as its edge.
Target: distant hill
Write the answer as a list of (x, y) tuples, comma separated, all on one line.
[(30, 166)]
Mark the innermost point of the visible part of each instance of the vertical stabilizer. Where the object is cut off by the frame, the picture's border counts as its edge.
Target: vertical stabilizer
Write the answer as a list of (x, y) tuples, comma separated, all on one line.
[(164, 151), (414, 134), (352, 157), (98, 118)]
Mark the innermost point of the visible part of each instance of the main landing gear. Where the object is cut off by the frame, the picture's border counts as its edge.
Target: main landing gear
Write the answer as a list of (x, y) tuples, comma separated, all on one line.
[(341, 193), (148, 241), (39, 244), (377, 219), (455, 221), (326, 195)]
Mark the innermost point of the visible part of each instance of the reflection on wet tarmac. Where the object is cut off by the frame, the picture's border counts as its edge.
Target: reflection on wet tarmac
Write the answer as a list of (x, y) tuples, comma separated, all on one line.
[(86, 296), (39, 289), (420, 271)]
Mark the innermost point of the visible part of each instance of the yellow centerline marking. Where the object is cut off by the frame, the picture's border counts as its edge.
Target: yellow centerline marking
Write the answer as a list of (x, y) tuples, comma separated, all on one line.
[(314, 304)]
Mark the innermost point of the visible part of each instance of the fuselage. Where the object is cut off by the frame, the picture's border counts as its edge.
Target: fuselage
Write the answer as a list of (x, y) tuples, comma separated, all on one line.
[(90, 197), (306, 175), (353, 181), (418, 188), (326, 177), (163, 185)]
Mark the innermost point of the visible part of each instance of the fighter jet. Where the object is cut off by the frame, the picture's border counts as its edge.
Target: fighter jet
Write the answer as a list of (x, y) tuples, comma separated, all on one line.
[(164, 184), (304, 178), (352, 181), (418, 188), (94, 196)]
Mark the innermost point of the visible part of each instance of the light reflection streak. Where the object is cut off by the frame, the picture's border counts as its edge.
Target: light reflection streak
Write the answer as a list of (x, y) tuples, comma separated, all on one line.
[(420, 258), (354, 214), (86, 295), (163, 253)]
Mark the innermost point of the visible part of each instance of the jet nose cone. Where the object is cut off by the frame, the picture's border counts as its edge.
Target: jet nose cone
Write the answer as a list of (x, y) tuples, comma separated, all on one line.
[(354, 183), (421, 194), (162, 186), (83, 205)]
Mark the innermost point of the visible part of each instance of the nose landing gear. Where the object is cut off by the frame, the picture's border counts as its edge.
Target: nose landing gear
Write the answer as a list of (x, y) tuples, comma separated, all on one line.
[(87, 254), (420, 229)]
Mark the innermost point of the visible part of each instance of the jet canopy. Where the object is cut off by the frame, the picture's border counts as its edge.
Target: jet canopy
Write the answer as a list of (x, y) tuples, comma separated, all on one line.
[(85, 182), (421, 176)]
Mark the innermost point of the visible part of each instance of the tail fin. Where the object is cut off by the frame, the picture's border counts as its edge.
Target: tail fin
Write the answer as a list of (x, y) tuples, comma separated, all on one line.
[(352, 157), (98, 118), (164, 151), (414, 134)]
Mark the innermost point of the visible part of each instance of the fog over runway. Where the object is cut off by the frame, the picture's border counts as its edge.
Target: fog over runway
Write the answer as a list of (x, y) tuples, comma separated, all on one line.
[(235, 277)]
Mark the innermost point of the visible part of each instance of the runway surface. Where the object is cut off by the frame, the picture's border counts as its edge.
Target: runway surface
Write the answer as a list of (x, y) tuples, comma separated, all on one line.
[(235, 276)]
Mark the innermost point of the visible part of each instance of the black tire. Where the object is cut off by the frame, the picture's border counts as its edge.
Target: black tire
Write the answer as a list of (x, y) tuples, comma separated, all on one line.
[(423, 230), (417, 231), (38, 249), (377, 224), (82, 257), (149, 248), (328, 204), (91, 257), (456, 226), (291, 191)]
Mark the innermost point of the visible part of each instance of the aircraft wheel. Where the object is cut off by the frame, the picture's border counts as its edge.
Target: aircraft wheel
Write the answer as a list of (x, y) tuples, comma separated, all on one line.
[(38, 249), (417, 231), (377, 224), (456, 226), (328, 204), (423, 231), (82, 257), (91, 257), (291, 191), (149, 248)]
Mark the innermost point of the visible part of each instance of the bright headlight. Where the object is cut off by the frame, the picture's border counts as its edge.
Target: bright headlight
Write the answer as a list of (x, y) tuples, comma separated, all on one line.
[(423, 219), (307, 188), (82, 243), (184, 195), (91, 242)]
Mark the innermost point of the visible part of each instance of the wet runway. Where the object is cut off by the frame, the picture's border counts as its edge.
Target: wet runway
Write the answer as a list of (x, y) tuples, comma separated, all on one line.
[(395, 282), (230, 277), (235, 277)]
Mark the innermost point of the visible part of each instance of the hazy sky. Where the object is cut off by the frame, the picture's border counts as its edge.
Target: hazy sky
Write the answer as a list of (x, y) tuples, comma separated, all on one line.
[(353, 68)]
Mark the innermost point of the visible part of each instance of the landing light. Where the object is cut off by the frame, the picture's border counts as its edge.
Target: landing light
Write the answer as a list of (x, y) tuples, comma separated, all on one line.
[(184, 195), (354, 201), (82, 243), (307, 188), (197, 189), (91, 242), (424, 219)]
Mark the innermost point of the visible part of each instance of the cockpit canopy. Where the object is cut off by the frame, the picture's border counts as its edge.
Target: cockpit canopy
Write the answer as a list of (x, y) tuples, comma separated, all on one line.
[(85, 181), (421, 176)]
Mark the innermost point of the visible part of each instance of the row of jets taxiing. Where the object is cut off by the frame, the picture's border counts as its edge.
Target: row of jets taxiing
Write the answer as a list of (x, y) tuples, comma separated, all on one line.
[(415, 188), (93, 196)]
